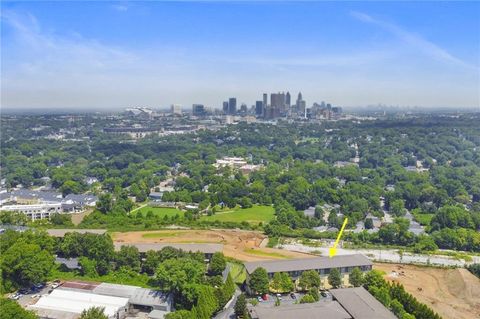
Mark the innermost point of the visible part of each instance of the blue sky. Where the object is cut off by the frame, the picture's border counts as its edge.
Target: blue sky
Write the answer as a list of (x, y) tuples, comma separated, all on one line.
[(120, 54)]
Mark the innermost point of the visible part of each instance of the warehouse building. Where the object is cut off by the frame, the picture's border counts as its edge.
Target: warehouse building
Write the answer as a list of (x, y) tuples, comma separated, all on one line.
[(119, 301)]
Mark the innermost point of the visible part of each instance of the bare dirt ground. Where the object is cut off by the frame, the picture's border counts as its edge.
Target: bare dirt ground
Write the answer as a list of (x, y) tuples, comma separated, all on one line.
[(78, 217), (452, 293), (239, 244)]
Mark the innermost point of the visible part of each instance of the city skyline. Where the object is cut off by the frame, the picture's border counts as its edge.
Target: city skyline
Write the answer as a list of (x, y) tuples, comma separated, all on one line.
[(158, 54)]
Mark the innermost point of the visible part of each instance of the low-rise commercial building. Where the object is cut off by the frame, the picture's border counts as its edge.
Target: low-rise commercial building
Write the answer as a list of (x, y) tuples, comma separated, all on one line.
[(322, 265), (347, 303), (118, 301)]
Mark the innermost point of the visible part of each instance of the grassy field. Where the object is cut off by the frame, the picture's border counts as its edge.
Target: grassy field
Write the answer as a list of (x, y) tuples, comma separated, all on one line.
[(263, 253), (161, 211), (253, 215), (160, 235), (238, 273)]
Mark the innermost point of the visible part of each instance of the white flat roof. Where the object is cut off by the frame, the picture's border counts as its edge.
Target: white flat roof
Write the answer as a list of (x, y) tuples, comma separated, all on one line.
[(76, 302)]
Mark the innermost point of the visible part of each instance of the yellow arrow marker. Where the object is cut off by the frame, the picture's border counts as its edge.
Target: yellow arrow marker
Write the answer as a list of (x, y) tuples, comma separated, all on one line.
[(333, 250)]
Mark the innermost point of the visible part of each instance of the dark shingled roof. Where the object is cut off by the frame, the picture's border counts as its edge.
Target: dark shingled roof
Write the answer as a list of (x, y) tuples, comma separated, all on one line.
[(203, 248), (321, 309), (302, 264), (360, 304)]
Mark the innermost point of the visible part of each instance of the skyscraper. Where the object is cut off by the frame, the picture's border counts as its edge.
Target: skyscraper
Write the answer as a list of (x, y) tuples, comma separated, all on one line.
[(259, 107), (198, 109), (225, 107), (243, 108), (277, 102), (265, 100), (288, 99), (301, 105), (232, 106)]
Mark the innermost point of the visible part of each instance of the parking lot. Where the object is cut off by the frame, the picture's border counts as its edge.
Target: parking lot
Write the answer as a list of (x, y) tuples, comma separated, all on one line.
[(286, 299), (30, 296)]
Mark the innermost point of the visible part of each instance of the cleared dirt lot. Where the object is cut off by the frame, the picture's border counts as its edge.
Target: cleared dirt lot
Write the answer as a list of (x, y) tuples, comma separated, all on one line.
[(239, 244), (452, 293)]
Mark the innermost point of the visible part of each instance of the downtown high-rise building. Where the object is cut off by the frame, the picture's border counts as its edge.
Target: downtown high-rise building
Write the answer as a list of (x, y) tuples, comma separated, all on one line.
[(198, 109), (265, 100), (259, 108), (225, 107), (301, 105), (232, 106), (288, 99), (277, 103)]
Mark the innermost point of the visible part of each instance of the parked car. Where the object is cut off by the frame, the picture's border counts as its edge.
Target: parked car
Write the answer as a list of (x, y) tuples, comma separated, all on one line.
[(279, 296), (292, 295), (35, 296), (24, 291), (265, 297), (39, 285), (323, 293), (16, 296), (259, 299), (56, 285)]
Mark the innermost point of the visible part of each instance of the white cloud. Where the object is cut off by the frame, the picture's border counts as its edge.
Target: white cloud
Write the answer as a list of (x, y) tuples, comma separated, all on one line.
[(120, 7), (45, 68), (415, 40)]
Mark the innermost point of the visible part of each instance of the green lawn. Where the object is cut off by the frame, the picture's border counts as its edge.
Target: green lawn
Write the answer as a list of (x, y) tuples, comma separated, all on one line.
[(254, 215), (263, 253), (238, 273), (161, 211), (423, 219)]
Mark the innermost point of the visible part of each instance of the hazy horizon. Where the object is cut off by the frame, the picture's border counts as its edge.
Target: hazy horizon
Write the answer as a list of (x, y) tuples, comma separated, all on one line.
[(113, 55)]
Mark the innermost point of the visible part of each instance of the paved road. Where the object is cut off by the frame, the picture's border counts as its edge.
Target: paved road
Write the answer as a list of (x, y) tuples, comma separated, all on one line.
[(388, 255), (229, 312)]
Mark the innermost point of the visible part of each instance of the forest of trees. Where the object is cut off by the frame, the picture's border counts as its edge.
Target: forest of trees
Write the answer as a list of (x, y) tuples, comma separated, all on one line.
[(299, 172), (198, 291)]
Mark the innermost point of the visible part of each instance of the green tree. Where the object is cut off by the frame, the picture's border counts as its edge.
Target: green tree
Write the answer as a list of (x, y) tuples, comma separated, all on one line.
[(286, 283), (368, 223), (174, 274), (129, 257), (258, 281), (13, 218), (307, 298), (10, 309), (318, 212), (25, 264), (88, 267), (276, 282), (397, 308), (217, 263), (105, 203), (309, 279), (151, 262), (334, 278), (241, 307), (425, 243), (356, 277), (397, 207), (94, 313), (207, 303)]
